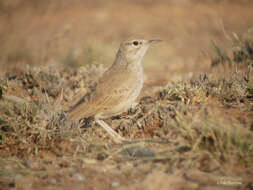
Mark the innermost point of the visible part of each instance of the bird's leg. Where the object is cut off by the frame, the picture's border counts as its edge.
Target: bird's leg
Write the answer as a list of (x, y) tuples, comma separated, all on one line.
[(116, 136), (118, 139)]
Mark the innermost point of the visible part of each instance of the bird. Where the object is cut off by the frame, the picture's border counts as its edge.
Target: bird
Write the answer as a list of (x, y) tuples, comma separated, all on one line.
[(118, 87)]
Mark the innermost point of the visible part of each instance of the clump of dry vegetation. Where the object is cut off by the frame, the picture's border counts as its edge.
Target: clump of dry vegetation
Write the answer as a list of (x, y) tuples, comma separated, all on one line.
[(204, 124)]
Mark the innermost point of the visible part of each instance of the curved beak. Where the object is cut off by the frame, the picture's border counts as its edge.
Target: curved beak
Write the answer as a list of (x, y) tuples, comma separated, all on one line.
[(154, 41)]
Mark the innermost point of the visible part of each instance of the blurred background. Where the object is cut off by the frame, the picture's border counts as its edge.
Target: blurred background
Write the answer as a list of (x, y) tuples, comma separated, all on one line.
[(88, 32)]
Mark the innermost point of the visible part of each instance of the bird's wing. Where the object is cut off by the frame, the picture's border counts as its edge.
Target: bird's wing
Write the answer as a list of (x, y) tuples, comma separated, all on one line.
[(110, 90)]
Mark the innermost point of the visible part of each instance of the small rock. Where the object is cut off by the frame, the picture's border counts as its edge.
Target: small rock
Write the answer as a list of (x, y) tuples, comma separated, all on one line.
[(101, 156), (115, 184), (138, 151), (79, 177)]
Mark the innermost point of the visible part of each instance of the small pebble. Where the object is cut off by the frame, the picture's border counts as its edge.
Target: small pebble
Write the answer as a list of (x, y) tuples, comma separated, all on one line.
[(79, 177), (115, 184), (138, 152)]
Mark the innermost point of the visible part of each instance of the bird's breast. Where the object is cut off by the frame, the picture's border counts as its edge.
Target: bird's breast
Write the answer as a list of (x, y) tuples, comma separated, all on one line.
[(126, 93)]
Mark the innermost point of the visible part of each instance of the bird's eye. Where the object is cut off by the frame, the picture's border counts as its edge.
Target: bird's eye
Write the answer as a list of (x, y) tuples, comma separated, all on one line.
[(135, 43)]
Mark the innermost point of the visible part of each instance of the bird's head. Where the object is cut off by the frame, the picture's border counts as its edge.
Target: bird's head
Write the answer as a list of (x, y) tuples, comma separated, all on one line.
[(134, 50)]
